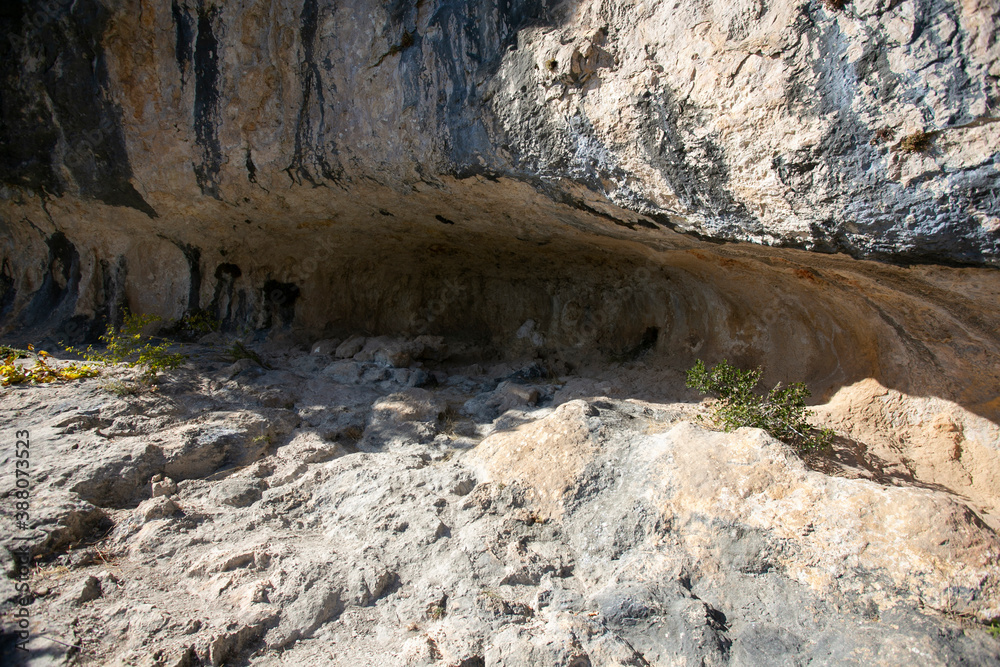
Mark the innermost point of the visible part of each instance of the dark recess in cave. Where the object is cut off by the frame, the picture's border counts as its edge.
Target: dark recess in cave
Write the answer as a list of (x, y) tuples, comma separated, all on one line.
[(279, 299)]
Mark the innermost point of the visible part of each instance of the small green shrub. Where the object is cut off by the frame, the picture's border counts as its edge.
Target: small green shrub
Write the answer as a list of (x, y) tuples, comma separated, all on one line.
[(130, 346), (193, 325), (915, 143), (994, 628), (782, 412)]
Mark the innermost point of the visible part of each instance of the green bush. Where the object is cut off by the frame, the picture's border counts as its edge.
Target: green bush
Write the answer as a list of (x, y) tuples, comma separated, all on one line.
[(130, 346), (239, 351), (917, 142), (782, 412), (193, 326)]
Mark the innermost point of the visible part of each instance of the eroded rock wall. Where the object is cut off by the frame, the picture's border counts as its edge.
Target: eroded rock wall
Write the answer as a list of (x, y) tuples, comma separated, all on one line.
[(466, 168), (781, 122)]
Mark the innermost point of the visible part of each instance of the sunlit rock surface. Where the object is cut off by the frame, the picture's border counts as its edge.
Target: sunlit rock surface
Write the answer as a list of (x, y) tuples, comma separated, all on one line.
[(505, 227)]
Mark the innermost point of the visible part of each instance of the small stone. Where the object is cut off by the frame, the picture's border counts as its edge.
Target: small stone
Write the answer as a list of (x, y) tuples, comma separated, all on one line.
[(418, 378), (431, 347), (394, 354), (239, 492), (164, 486), (160, 507), (463, 486), (85, 591), (376, 374), (325, 347), (507, 396), (235, 369), (349, 347)]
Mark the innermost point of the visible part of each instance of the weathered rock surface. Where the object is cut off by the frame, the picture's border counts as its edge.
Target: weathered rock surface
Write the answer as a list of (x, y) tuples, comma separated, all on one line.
[(362, 525), (783, 122), (462, 168), (486, 213)]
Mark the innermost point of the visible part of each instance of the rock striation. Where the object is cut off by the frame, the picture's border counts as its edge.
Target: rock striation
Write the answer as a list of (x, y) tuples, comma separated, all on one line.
[(866, 127), (422, 167)]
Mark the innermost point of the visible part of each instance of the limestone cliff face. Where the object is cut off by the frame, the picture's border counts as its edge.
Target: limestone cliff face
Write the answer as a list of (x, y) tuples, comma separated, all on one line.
[(780, 122), (457, 166)]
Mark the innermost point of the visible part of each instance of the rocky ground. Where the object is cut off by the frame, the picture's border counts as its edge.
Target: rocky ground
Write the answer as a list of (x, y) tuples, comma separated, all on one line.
[(371, 502)]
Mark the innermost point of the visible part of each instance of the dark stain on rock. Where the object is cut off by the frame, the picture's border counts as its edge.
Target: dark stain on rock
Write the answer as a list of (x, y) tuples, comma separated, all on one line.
[(251, 167), (961, 84), (441, 218), (223, 306), (8, 292), (405, 42), (54, 106), (400, 10), (231, 270), (470, 41), (55, 300), (206, 104), (310, 162), (645, 344), (192, 255), (184, 39), (80, 329), (795, 169), (583, 206), (26, 145), (854, 164), (113, 278), (279, 300), (695, 168)]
